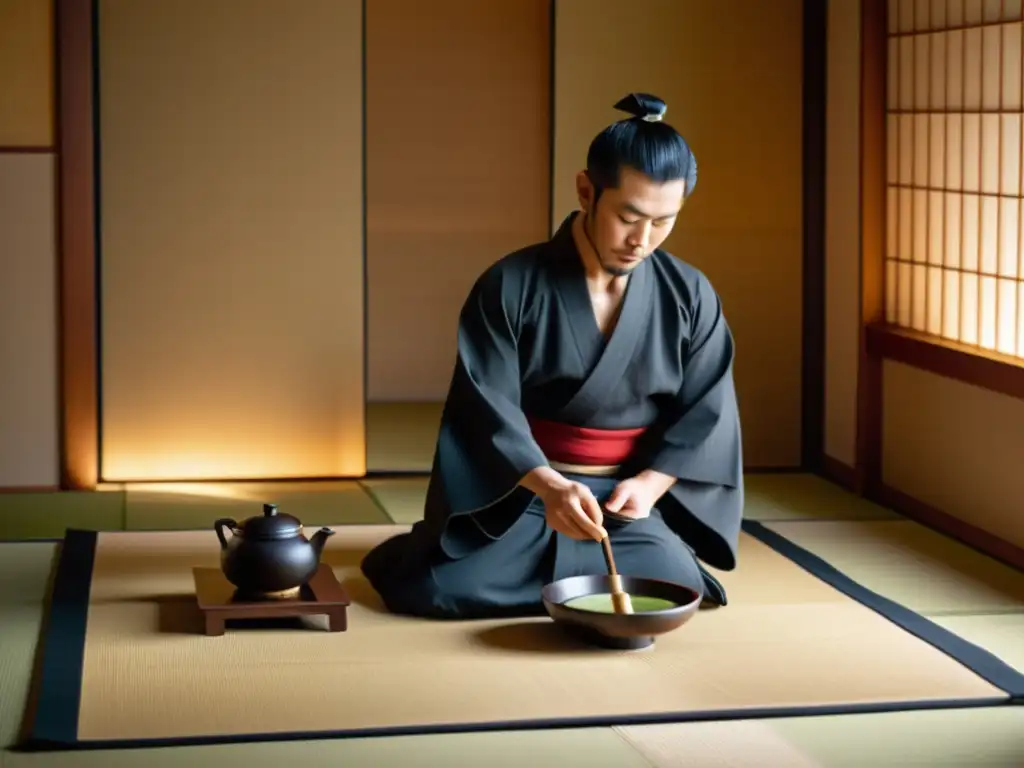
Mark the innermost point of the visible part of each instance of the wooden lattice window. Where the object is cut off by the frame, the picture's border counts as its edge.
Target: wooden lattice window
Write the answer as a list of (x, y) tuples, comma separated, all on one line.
[(954, 265)]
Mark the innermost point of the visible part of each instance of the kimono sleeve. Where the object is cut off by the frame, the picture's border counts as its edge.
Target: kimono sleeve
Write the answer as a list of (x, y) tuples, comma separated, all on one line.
[(485, 445), (700, 440)]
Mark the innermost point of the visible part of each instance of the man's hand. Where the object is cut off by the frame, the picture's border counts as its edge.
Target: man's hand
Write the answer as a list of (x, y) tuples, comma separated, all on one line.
[(635, 497), (569, 507)]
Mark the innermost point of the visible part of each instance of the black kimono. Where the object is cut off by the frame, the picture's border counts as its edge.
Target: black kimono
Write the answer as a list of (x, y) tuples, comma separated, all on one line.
[(529, 347)]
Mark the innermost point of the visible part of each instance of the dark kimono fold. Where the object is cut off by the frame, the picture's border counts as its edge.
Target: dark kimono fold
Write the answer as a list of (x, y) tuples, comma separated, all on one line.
[(700, 442), (671, 352)]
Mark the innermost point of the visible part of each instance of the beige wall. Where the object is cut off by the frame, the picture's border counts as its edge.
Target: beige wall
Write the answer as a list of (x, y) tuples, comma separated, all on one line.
[(232, 249), (28, 308), (231, 210), (458, 171), (743, 226), (970, 465), (26, 73)]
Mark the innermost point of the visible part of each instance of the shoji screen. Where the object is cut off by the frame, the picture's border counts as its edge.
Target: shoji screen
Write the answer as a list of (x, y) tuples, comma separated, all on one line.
[(29, 394), (232, 249), (954, 223), (26, 75)]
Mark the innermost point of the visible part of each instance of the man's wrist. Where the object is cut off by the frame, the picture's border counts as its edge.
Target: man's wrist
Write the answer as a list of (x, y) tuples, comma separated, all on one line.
[(540, 480), (657, 483)]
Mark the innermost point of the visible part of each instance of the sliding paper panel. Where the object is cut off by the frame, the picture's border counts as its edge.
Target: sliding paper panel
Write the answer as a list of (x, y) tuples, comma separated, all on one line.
[(26, 73), (28, 322), (232, 249), (743, 225), (967, 161), (458, 151)]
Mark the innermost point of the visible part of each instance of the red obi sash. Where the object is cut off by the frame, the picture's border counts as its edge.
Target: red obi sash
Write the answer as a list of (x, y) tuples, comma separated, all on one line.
[(584, 445)]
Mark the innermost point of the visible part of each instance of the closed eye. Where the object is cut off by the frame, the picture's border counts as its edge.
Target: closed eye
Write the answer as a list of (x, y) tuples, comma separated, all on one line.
[(656, 222)]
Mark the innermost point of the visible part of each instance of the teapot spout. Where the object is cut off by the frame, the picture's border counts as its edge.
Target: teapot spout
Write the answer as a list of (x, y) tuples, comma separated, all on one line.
[(319, 539)]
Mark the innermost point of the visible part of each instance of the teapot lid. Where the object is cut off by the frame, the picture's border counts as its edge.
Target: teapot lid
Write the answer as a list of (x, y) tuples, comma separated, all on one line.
[(272, 525)]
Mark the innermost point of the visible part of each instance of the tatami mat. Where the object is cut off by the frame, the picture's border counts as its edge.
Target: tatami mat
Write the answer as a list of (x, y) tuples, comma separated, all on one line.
[(988, 737), (401, 497), (24, 576), (598, 748), (894, 559), (798, 496), (593, 748), (913, 565), (954, 738), (25, 569), (940, 739), (41, 515), (1002, 634), (21, 625), (390, 672), (175, 506), (747, 743), (400, 437)]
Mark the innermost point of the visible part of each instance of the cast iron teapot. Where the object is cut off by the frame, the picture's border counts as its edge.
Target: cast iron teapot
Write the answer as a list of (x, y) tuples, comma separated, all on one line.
[(268, 555)]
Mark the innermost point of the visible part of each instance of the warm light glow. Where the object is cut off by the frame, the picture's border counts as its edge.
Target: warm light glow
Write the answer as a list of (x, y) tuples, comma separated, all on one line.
[(232, 288), (199, 490), (955, 223), (226, 461)]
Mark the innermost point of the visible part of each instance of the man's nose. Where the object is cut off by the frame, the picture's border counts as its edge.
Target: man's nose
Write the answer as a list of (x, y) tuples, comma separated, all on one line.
[(643, 237)]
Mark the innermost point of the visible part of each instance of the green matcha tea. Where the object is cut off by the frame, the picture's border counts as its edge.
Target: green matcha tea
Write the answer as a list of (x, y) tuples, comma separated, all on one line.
[(602, 603)]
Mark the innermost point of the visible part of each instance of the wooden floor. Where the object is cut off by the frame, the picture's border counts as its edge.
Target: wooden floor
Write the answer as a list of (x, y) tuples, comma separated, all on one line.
[(960, 589)]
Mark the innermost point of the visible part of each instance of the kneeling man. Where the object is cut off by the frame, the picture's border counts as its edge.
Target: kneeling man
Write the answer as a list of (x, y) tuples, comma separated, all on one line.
[(593, 392)]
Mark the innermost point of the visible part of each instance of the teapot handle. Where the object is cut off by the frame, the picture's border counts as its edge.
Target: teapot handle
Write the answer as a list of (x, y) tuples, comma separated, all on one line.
[(220, 525)]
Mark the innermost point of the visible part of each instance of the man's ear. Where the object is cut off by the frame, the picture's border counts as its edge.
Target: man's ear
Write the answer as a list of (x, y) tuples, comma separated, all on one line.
[(584, 191)]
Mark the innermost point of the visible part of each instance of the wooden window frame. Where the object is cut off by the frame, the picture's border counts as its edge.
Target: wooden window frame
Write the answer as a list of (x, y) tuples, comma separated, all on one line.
[(880, 340), (79, 435)]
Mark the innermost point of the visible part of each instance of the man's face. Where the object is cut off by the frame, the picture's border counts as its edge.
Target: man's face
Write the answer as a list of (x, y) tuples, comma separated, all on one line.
[(630, 221)]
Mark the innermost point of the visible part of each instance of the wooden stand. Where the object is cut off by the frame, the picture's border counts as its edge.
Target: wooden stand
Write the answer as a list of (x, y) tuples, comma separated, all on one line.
[(220, 600)]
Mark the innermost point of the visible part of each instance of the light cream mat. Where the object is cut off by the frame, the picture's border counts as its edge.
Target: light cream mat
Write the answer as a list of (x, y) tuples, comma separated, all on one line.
[(561, 748), (966, 738), (746, 743), (1002, 634), (913, 565), (131, 644), (955, 738), (25, 570), (24, 573), (987, 737)]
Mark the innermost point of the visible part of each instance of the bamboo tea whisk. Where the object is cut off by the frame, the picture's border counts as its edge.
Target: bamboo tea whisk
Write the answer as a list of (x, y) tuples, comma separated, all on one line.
[(620, 600)]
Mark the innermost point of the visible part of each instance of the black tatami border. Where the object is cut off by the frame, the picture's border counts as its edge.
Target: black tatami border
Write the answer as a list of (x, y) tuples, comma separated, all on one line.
[(55, 724), (984, 664), (59, 678)]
